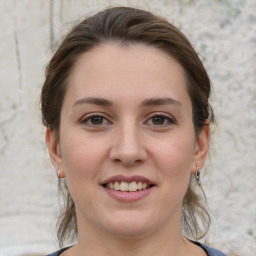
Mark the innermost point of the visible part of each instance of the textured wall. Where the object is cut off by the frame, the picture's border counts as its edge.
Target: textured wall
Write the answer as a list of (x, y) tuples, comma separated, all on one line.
[(223, 32)]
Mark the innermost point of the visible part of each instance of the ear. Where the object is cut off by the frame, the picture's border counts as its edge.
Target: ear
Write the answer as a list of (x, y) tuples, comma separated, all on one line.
[(53, 149), (201, 146)]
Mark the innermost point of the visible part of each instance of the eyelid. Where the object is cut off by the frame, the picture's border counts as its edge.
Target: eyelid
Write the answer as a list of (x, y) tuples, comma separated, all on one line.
[(94, 114), (86, 117), (170, 118)]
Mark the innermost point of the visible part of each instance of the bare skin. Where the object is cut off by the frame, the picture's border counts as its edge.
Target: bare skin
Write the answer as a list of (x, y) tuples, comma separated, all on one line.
[(127, 112)]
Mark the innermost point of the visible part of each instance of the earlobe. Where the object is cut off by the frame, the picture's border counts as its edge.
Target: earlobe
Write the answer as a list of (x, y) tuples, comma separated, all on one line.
[(202, 145), (53, 149)]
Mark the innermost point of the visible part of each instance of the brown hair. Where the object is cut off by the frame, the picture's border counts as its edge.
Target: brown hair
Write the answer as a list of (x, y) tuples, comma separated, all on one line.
[(125, 25)]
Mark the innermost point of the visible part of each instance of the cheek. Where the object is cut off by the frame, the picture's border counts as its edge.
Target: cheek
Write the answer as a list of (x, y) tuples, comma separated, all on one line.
[(81, 157), (177, 151), (82, 160), (175, 159)]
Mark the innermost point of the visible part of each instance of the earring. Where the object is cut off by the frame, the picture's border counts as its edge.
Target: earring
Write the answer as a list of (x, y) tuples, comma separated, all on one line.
[(197, 174), (58, 174)]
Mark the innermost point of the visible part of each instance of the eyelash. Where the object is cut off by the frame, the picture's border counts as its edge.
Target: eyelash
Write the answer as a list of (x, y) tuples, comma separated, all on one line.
[(90, 116), (170, 120)]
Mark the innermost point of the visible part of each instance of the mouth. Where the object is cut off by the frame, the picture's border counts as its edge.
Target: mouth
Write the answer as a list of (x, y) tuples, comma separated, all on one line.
[(128, 186)]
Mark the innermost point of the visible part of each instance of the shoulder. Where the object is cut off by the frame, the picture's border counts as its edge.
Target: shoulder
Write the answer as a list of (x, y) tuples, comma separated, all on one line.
[(57, 253), (210, 251)]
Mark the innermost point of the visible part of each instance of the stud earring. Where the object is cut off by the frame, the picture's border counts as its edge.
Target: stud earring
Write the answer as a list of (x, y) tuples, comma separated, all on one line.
[(197, 174), (58, 174)]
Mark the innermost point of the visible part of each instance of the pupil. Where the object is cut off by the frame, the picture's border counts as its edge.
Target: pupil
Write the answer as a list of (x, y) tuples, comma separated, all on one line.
[(158, 120), (97, 120)]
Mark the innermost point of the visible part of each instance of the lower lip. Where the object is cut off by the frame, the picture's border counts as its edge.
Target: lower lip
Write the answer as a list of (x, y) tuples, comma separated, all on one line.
[(128, 196)]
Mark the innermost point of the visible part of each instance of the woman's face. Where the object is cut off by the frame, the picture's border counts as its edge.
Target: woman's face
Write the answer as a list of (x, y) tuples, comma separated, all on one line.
[(127, 142)]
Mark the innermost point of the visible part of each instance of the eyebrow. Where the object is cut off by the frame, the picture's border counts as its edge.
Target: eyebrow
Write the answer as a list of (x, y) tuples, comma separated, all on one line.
[(160, 101), (95, 101), (146, 102)]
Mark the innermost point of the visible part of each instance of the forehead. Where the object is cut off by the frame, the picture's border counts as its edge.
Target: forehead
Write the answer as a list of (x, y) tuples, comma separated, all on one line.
[(114, 70)]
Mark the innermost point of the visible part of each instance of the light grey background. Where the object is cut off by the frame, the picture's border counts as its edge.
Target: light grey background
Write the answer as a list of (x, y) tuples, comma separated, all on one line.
[(222, 31)]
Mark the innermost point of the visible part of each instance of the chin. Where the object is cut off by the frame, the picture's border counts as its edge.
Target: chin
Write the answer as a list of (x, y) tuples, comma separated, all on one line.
[(130, 227)]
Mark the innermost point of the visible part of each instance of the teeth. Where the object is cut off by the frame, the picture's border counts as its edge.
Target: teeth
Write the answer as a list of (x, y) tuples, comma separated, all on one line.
[(125, 186), (116, 185), (139, 185), (133, 186), (144, 185)]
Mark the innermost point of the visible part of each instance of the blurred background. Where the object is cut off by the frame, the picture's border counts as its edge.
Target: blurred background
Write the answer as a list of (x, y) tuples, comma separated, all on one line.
[(224, 34)]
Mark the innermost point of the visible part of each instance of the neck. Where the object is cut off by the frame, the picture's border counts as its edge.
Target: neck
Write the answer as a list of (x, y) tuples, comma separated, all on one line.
[(167, 241)]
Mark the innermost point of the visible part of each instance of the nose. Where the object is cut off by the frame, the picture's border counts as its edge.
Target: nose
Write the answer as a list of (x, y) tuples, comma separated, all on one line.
[(128, 148)]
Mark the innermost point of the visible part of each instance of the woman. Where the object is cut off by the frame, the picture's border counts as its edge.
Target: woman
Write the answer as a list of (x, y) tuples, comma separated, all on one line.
[(125, 103)]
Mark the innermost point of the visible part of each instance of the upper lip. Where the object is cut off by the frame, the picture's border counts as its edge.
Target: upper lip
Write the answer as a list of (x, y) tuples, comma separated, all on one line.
[(127, 179)]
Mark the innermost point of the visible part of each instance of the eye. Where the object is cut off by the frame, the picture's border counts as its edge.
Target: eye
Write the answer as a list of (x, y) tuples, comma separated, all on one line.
[(95, 120), (160, 120)]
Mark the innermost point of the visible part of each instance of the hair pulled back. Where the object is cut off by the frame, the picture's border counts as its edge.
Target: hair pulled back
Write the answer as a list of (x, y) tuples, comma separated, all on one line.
[(125, 25)]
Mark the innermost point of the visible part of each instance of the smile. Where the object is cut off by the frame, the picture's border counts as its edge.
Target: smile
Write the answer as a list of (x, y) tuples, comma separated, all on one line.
[(127, 186)]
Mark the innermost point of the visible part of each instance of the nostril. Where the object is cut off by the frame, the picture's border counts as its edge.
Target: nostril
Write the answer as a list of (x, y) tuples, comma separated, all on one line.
[(128, 151), (127, 161)]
